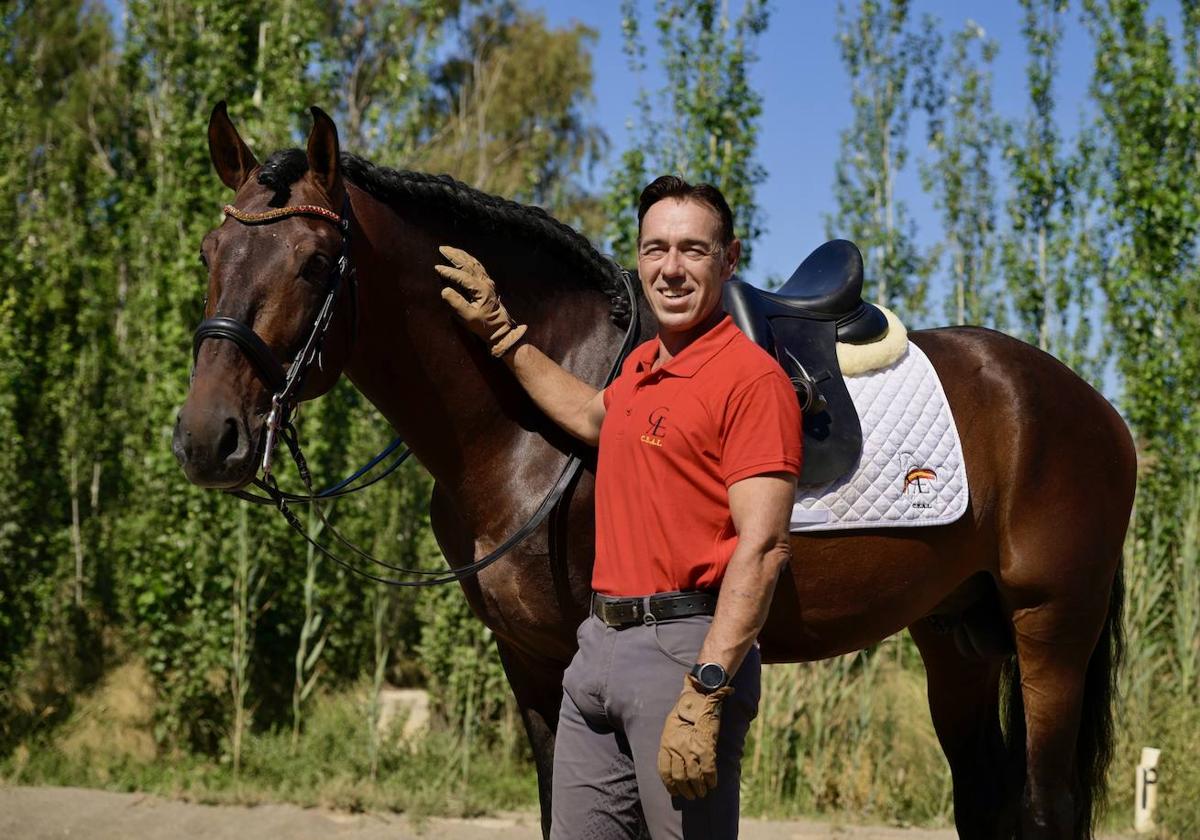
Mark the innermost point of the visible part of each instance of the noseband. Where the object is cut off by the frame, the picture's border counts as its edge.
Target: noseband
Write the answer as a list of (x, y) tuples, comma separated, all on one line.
[(284, 385)]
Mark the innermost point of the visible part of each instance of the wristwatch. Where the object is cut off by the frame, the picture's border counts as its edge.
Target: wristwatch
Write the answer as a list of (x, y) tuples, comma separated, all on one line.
[(710, 676)]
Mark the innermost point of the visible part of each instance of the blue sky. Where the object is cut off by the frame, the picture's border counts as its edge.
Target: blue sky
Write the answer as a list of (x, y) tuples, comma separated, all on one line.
[(807, 104)]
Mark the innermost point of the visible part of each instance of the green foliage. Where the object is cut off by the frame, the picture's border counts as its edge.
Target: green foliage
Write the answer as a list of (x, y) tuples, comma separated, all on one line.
[(1149, 189), (962, 182), (108, 191), (1160, 680), (891, 73), (1049, 276), (702, 124)]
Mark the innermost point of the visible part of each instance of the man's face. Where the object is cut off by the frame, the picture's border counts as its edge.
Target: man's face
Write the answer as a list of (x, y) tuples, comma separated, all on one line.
[(681, 263)]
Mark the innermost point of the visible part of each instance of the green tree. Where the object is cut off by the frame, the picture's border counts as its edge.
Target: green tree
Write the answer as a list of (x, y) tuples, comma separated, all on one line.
[(961, 179), (710, 130), (885, 61), (1149, 193), (56, 290), (1050, 295)]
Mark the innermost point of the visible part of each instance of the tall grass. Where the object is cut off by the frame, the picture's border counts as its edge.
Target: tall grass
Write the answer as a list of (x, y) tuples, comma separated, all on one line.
[(333, 764), (850, 735), (1160, 679), (312, 637), (247, 587)]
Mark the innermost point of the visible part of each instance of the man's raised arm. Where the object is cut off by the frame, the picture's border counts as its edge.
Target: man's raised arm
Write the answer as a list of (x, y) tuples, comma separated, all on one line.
[(566, 399)]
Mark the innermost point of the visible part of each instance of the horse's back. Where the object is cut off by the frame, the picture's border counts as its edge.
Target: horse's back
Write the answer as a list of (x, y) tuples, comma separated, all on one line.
[(1043, 451)]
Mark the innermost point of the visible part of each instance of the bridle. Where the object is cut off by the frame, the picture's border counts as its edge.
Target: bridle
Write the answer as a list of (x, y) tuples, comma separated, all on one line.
[(286, 386)]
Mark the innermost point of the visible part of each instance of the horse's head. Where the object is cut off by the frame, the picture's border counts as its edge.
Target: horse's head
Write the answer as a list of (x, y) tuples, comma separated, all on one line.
[(269, 276)]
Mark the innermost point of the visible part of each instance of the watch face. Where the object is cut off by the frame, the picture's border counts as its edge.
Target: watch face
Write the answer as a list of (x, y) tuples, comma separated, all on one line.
[(711, 676)]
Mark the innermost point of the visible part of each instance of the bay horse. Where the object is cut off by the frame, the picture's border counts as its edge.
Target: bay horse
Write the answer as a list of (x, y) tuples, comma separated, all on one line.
[(1029, 579)]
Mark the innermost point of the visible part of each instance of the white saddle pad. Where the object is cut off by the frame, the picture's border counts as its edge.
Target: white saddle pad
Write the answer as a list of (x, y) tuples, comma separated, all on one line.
[(911, 470)]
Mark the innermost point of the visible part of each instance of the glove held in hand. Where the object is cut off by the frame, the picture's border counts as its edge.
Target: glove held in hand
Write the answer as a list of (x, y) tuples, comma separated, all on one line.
[(687, 753)]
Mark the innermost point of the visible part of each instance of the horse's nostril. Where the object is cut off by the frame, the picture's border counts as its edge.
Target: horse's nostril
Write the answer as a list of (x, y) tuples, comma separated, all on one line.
[(228, 444)]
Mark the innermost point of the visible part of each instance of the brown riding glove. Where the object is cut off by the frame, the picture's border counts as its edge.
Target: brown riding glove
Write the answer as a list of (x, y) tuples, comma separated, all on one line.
[(484, 314), (687, 754)]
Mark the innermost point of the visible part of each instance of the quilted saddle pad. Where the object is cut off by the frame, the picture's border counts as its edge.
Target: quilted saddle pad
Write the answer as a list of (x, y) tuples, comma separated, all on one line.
[(911, 471)]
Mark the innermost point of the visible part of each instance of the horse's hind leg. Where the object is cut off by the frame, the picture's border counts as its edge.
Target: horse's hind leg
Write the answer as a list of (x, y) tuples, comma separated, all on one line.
[(964, 700), (1055, 639)]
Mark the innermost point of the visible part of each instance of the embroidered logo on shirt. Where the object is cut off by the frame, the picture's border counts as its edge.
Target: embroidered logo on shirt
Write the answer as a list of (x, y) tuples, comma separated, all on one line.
[(658, 426)]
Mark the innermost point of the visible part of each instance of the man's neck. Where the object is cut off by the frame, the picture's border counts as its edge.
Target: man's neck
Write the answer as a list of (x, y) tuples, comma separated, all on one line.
[(671, 344)]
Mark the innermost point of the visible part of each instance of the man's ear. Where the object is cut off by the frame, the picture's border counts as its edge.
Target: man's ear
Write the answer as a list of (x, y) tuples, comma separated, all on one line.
[(230, 155), (324, 152), (733, 253)]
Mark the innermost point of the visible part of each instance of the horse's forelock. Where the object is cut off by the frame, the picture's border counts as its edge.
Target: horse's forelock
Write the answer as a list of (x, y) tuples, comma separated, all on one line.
[(281, 170)]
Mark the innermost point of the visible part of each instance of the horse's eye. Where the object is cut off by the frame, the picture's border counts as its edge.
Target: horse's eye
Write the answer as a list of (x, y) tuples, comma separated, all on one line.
[(316, 268)]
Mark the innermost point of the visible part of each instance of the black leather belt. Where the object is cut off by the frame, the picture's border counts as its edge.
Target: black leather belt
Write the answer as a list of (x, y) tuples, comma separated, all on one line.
[(626, 612)]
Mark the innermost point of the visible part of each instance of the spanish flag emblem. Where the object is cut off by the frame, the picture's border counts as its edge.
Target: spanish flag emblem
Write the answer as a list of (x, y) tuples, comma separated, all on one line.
[(916, 474)]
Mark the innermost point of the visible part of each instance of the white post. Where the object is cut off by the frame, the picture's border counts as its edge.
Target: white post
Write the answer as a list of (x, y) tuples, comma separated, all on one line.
[(1146, 791)]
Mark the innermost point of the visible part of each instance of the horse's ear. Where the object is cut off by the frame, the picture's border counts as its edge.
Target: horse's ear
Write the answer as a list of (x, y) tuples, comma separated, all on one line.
[(323, 152), (230, 155)]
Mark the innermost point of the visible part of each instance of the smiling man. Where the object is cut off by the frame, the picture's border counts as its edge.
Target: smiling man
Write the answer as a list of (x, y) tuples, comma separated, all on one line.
[(699, 449)]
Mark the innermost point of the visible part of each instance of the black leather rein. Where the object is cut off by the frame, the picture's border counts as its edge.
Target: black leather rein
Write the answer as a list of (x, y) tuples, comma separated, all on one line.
[(285, 387)]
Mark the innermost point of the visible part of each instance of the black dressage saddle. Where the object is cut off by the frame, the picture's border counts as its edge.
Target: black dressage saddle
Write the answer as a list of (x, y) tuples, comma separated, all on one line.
[(800, 324)]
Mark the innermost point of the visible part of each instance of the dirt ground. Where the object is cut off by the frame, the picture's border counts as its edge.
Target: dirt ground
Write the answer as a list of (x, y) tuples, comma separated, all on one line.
[(43, 813), (29, 813)]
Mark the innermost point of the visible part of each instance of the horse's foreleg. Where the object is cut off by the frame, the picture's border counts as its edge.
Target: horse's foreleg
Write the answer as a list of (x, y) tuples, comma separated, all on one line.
[(964, 700), (537, 686)]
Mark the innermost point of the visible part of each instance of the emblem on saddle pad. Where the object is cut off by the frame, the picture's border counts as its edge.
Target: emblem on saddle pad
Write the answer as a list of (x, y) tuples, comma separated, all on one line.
[(916, 478)]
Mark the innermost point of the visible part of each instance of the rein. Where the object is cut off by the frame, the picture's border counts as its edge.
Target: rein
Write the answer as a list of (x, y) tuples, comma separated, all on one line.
[(286, 385)]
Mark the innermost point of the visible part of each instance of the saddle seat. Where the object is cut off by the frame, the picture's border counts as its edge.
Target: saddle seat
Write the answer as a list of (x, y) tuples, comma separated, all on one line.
[(800, 325)]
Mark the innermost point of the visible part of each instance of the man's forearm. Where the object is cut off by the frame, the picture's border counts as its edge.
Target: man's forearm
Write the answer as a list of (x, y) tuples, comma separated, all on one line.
[(564, 397), (744, 602)]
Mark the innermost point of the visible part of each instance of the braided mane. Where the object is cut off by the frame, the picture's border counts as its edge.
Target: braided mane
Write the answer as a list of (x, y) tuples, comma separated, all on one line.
[(460, 201)]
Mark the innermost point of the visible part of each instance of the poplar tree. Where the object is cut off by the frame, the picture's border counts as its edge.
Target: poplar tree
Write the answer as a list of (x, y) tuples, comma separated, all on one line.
[(1150, 199), (885, 60), (1050, 293), (703, 123), (55, 354), (960, 177)]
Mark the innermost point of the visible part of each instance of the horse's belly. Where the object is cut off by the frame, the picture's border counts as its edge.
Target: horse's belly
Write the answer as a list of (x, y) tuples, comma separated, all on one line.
[(847, 591)]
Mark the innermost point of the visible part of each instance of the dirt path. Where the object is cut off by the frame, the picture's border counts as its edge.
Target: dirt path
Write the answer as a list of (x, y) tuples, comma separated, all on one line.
[(28, 813)]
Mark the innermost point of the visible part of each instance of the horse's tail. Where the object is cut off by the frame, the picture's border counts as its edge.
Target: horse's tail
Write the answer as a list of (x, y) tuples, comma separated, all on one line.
[(1094, 745), (1094, 748)]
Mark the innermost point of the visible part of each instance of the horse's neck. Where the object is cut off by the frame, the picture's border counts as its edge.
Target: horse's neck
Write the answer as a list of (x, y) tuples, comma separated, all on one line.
[(462, 412)]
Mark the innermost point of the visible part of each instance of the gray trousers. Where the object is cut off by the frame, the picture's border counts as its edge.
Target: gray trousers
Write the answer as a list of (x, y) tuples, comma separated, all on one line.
[(618, 691)]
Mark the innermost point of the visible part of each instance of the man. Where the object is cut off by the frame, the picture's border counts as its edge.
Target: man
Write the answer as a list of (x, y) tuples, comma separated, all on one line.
[(699, 449)]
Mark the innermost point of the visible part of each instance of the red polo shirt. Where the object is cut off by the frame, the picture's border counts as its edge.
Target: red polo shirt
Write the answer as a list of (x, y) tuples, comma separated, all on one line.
[(672, 443)]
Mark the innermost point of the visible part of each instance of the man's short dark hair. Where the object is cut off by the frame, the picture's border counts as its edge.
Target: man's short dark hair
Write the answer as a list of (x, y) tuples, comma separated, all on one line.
[(672, 186)]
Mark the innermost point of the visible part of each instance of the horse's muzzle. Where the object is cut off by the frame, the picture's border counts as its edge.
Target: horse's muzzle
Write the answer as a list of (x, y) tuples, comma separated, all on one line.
[(214, 448)]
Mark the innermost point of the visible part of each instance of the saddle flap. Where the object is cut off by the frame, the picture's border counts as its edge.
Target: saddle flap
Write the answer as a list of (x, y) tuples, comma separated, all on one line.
[(833, 433), (806, 349)]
